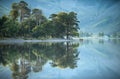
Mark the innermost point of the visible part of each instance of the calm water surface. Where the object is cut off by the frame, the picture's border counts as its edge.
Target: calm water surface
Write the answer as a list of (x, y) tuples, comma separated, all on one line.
[(85, 59)]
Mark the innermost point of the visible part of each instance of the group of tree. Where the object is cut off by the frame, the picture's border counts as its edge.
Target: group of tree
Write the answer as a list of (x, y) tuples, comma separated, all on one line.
[(101, 34), (85, 34), (115, 35), (24, 22)]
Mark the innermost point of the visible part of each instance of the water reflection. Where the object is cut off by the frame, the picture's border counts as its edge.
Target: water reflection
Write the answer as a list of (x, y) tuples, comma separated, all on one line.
[(27, 57), (96, 59), (101, 41)]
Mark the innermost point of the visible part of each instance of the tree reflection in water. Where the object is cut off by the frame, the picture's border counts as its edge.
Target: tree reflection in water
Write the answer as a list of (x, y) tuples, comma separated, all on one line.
[(28, 57), (67, 57)]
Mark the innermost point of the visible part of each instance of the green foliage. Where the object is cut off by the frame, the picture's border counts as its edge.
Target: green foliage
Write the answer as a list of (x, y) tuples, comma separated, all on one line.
[(15, 11), (116, 35), (38, 31), (67, 21), (14, 14), (9, 27), (101, 34), (12, 28), (37, 13), (22, 22), (26, 27)]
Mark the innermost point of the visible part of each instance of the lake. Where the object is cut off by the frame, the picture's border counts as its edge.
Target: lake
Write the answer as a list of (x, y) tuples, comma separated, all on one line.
[(84, 59)]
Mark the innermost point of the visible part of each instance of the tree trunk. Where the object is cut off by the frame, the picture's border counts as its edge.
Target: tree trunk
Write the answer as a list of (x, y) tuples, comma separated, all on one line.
[(21, 16), (67, 32)]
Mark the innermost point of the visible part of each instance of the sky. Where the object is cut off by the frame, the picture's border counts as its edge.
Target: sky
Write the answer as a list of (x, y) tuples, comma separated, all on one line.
[(94, 15)]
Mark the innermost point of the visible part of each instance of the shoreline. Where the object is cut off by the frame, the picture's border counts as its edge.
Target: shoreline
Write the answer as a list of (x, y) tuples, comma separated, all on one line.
[(33, 40), (20, 40)]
